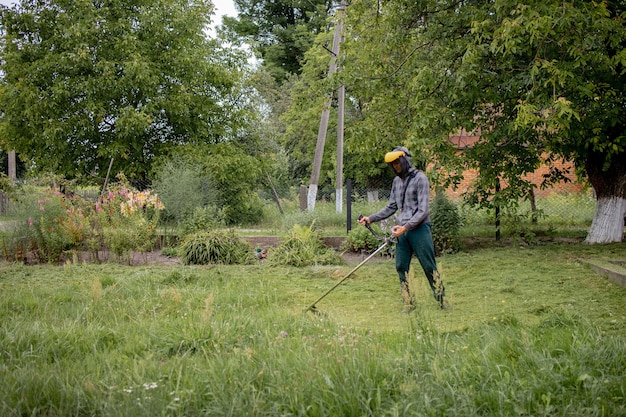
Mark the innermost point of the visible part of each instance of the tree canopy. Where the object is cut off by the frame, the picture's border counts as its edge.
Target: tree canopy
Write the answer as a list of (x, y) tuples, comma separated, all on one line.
[(85, 82), (279, 31), (538, 80)]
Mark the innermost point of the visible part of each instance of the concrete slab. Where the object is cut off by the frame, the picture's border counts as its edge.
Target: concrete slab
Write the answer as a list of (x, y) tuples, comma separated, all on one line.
[(614, 270)]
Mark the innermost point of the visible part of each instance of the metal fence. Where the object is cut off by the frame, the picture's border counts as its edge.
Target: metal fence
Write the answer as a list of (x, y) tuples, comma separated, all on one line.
[(555, 208), (4, 203)]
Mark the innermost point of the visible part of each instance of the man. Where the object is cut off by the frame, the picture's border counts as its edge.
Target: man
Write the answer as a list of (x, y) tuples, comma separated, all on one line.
[(410, 194)]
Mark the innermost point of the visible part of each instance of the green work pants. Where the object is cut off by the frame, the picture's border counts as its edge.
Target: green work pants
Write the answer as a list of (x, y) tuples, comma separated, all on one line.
[(418, 241)]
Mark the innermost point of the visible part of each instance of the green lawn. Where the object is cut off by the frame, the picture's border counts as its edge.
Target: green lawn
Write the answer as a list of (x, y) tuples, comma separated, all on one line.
[(533, 331)]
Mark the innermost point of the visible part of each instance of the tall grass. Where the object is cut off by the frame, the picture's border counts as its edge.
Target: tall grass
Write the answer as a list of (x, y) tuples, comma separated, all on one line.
[(533, 331)]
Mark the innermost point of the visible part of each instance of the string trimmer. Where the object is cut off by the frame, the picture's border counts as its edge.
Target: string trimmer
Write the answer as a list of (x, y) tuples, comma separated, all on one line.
[(386, 241)]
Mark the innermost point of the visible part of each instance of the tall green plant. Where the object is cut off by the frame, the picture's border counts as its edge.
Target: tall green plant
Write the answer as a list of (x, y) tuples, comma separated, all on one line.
[(127, 219), (446, 224), (360, 239), (183, 187), (234, 170), (59, 224), (215, 247)]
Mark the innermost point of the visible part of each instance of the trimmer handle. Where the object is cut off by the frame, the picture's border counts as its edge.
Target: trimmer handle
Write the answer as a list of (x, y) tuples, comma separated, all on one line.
[(369, 227), (391, 239)]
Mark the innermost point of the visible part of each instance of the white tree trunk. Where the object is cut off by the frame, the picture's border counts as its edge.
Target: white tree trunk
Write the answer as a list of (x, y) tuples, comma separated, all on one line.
[(372, 196), (608, 221), (311, 197), (339, 200)]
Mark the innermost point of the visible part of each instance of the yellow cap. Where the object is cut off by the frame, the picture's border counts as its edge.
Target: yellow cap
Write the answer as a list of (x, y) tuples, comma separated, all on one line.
[(392, 156)]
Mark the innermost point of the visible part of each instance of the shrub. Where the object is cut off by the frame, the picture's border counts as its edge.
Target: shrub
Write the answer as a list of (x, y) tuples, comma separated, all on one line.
[(303, 246), (220, 175), (60, 223), (125, 220), (519, 226), (184, 188), (446, 223), (360, 239), (201, 219), (243, 208), (215, 247)]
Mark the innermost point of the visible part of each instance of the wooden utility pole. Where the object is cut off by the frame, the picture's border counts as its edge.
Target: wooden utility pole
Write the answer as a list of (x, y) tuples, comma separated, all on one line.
[(12, 166), (321, 134)]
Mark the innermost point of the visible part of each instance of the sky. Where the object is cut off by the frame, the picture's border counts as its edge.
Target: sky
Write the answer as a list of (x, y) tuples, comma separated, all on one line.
[(223, 7)]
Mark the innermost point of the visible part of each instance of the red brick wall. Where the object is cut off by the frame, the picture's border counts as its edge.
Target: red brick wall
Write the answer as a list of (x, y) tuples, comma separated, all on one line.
[(464, 140)]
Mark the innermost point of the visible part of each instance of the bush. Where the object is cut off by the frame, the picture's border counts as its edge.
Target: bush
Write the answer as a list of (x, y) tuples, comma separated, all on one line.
[(519, 226), (360, 239), (201, 219), (215, 247), (244, 208), (303, 246), (220, 175), (59, 223), (184, 189), (125, 220), (446, 224)]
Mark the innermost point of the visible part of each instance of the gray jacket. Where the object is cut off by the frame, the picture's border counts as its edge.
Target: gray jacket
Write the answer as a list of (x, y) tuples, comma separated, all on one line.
[(411, 197)]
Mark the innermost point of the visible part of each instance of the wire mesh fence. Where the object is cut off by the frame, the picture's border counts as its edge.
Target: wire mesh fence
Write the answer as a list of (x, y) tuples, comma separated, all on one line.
[(553, 209)]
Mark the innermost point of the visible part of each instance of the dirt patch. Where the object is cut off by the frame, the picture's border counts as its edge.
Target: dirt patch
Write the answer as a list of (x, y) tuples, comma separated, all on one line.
[(155, 258)]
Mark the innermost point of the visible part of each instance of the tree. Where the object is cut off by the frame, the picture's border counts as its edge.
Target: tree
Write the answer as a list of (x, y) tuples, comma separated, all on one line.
[(301, 117), (539, 80), (270, 100), (87, 82), (20, 167), (280, 31)]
